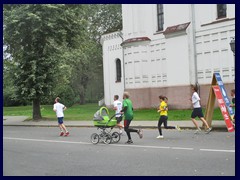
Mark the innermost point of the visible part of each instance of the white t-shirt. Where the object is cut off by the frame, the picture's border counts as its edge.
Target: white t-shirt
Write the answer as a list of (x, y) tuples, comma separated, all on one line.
[(117, 104), (59, 109), (196, 100)]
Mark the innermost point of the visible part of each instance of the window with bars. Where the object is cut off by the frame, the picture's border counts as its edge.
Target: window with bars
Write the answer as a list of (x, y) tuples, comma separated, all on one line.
[(221, 11), (118, 70), (160, 17)]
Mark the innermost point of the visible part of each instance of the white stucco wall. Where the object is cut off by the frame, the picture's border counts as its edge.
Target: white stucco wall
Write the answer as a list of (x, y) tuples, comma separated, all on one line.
[(175, 14), (137, 20), (177, 61), (212, 43), (166, 62), (207, 13), (112, 51), (154, 64)]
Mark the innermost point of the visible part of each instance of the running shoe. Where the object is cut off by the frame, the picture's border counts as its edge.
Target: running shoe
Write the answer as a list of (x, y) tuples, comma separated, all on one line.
[(208, 130), (197, 131), (160, 137), (178, 128), (140, 133), (129, 142), (67, 133), (62, 133)]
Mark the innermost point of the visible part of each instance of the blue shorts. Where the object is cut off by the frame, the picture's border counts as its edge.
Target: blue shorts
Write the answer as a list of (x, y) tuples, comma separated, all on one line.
[(60, 120)]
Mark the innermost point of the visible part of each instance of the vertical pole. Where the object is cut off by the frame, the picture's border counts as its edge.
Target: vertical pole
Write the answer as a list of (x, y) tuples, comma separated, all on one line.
[(194, 51)]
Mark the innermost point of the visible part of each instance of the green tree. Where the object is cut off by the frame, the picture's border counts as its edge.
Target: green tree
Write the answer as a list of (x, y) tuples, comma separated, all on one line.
[(9, 89), (102, 18), (33, 35), (86, 58), (56, 51), (83, 61)]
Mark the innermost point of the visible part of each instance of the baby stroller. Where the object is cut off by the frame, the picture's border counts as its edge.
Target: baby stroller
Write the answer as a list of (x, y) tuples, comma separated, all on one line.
[(102, 121)]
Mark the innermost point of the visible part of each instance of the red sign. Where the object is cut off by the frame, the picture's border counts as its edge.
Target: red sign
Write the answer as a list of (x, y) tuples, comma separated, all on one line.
[(222, 105)]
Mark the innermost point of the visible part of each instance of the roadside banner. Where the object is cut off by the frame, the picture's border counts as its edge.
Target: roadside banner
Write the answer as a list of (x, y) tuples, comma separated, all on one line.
[(223, 107), (224, 94)]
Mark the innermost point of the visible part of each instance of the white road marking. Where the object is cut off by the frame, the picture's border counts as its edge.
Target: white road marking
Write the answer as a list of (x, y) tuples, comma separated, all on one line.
[(132, 145), (218, 150), (119, 145), (44, 140), (180, 148)]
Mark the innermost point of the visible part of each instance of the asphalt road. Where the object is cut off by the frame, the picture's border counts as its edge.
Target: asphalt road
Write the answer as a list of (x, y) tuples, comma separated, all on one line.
[(39, 151)]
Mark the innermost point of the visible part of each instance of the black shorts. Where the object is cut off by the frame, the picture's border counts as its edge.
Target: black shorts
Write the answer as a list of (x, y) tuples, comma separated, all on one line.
[(197, 112), (119, 119)]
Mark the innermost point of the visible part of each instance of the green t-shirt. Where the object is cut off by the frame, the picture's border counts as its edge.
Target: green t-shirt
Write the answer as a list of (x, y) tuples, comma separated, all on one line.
[(129, 112), (233, 102)]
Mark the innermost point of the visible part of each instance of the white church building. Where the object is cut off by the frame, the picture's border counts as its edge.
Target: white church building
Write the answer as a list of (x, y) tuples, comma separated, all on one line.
[(164, 48)]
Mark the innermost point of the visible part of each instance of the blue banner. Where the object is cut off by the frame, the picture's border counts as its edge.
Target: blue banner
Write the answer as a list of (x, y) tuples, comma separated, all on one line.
[(224, 94)]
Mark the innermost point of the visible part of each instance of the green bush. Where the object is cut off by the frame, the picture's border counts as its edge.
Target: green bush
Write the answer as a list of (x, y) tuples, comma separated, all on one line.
[(67, 96), (10, 100)]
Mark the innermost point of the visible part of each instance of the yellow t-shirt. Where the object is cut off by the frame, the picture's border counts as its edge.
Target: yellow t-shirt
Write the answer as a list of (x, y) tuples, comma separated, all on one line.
[(163, 108)]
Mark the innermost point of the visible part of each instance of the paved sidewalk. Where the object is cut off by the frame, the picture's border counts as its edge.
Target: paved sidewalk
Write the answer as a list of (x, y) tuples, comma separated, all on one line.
[(20, 121)]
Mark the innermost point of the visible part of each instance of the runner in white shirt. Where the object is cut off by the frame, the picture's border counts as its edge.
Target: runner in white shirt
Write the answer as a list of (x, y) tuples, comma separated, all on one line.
[(117, 106), (197, 111), (59, 108)]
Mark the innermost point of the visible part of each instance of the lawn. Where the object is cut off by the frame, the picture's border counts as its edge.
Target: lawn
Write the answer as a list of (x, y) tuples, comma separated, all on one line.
[(86, 112)]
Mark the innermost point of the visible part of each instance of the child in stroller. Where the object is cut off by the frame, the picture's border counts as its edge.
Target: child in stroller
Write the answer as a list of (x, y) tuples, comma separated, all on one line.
[(102, 121)]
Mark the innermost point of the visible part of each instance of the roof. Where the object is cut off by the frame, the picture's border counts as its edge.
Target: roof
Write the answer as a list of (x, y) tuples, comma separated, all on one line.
[(176, 28), (137, 39)]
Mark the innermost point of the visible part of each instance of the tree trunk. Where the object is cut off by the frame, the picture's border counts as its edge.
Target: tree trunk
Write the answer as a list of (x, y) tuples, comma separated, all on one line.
[(82, 98), (36, 110)]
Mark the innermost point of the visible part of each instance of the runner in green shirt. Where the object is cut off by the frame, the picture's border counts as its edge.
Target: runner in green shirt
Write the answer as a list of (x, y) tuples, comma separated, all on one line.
[(233, 103), (129, 112), (128, 115)]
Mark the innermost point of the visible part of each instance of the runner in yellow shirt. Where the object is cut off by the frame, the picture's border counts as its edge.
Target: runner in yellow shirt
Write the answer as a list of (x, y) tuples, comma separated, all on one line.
[(163, 110)]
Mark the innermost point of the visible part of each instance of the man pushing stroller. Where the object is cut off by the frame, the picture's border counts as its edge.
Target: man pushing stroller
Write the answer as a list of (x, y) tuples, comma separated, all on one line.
[(128, 117)]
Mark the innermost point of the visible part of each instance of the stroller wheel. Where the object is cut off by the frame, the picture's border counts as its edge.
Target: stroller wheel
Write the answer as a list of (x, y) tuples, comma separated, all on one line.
[(107, 138), (116, 137), (94, 138)]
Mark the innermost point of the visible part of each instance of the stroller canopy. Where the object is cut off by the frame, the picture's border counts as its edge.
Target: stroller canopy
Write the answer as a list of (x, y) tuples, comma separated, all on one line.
[(101, 114)]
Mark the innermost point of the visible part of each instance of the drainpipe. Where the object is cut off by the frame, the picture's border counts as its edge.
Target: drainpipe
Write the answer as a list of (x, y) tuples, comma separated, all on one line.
[(120, 35), (194, 45)]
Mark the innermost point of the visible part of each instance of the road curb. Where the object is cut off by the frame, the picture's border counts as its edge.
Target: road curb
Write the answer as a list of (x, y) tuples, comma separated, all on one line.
[(91, 126)]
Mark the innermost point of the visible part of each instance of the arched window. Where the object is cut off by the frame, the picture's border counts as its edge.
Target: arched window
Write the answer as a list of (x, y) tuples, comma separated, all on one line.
[(118, 70)]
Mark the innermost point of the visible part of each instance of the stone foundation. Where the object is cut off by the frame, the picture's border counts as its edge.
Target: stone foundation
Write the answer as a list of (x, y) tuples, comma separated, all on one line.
[(178, 96)]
